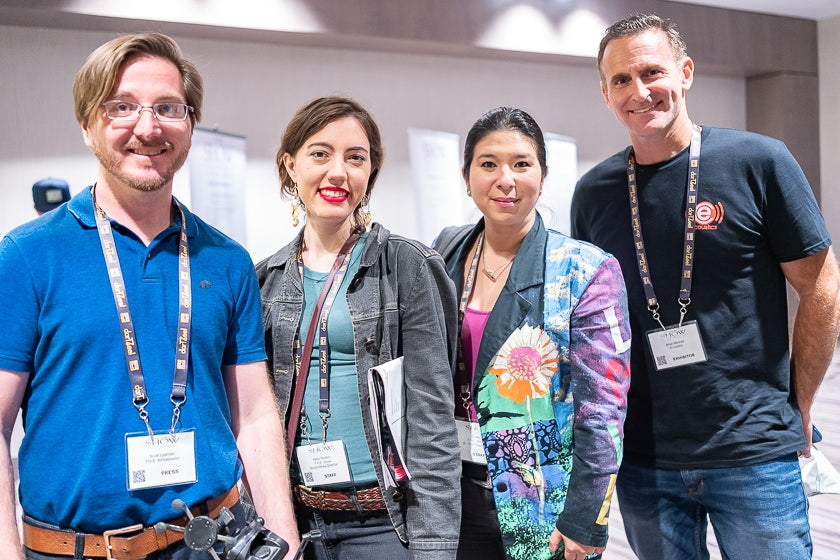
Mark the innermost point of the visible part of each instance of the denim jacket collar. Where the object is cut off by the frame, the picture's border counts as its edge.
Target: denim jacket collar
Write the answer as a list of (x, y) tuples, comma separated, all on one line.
[(376, 240)]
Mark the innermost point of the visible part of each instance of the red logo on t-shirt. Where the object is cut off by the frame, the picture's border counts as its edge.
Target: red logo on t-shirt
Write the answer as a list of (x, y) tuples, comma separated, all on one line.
[(708, 216)]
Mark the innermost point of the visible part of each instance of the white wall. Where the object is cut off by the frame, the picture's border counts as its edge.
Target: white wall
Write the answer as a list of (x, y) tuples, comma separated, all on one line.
[(828, 35), (252, 89)]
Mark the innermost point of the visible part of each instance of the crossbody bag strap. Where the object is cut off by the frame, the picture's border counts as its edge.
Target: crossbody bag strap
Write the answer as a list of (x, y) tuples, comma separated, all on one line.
[(303, 370)]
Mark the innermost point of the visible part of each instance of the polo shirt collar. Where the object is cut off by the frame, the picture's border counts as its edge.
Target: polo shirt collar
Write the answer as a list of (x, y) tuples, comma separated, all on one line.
[(81, 206)]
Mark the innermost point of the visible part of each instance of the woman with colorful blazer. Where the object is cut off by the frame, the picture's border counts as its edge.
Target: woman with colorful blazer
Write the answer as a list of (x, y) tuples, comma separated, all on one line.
[(543, 360)]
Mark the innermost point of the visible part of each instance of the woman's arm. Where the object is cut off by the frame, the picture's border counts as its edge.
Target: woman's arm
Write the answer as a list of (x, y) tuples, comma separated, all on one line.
[(428, 318), (600, 362)]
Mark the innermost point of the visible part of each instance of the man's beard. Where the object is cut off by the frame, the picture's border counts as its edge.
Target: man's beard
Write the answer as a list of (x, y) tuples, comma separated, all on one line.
[(113, 164)]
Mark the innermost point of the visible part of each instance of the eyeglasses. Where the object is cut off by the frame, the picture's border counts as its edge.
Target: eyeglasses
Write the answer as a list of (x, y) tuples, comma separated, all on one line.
[(130, 111)]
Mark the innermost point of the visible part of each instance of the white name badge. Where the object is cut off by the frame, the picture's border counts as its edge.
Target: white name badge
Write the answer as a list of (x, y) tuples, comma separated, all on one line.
[(162, 459), (676, 345), (323, 463), (469, 438)]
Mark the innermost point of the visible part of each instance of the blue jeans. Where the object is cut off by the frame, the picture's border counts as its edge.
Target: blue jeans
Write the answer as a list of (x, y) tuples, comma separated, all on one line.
[(350, 536), (757, 511)]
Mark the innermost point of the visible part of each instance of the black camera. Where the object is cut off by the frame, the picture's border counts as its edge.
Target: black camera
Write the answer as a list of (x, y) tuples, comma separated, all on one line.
[(252, 542)]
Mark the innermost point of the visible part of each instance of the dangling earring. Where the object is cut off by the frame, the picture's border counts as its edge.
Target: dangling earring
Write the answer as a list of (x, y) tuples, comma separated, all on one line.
[(295, 206), (364, 213)]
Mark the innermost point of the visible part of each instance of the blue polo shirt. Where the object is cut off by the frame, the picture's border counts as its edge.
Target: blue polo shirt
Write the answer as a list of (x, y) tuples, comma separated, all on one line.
[(60, 324)]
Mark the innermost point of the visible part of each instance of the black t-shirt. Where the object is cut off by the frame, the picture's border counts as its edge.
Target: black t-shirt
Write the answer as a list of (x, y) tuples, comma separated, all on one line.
[(755, 210)]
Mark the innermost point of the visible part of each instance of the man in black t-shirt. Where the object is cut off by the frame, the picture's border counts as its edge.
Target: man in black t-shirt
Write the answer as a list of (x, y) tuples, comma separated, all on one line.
[(708, 224)]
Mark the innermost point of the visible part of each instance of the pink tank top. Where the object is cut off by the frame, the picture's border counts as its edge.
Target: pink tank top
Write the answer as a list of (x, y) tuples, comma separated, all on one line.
[(472, 329)]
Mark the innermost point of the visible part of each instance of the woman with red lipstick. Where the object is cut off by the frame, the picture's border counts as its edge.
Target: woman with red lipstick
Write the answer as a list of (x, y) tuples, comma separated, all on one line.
[(371, 297), (542, 365)]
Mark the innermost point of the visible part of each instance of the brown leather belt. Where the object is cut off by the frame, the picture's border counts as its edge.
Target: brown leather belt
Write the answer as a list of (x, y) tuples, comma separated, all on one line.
[(142, 542), (367, 499)]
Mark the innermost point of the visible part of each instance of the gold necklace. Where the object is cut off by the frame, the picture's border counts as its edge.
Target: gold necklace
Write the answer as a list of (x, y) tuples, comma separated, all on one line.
[(492, 274)]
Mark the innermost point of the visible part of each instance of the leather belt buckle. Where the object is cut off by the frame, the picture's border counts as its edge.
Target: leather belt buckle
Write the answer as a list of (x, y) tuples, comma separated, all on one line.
[(108, 534)]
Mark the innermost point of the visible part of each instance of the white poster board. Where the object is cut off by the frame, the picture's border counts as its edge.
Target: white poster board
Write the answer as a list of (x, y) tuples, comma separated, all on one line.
[(556, 199), (216, 168), (439, 191)]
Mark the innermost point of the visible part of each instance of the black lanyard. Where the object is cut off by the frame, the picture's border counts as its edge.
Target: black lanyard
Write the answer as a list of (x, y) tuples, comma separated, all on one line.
[(688, 246), (339, 269), (463, 378), (140, 397)]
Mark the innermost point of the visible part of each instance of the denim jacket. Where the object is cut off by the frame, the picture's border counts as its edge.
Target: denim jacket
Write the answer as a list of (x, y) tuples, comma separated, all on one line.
[(402, 303)]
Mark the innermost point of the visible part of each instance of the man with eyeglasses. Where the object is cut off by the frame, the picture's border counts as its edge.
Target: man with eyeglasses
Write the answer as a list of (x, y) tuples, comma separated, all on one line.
[(133, 340)]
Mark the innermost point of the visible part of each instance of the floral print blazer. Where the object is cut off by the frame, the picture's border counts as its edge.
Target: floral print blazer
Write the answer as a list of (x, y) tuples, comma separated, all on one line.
[(550, 387)]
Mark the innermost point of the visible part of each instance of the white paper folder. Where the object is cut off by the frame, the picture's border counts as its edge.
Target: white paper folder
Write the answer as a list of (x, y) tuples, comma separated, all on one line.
[(387, 408)]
